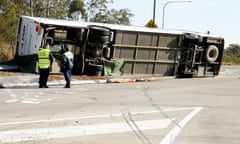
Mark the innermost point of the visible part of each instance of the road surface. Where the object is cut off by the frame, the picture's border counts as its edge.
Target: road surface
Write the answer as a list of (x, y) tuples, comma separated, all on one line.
[(179, 111)]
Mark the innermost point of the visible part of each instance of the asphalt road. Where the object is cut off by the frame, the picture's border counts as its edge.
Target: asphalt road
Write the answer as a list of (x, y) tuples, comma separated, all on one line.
[(172, 111)]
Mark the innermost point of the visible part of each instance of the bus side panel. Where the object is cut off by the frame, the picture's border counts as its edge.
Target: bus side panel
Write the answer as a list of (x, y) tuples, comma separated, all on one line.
[(29, 37), (147, 53)]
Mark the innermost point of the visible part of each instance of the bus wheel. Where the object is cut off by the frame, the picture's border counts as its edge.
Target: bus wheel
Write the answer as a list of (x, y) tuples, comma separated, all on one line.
[(99, 31), (211, 54)]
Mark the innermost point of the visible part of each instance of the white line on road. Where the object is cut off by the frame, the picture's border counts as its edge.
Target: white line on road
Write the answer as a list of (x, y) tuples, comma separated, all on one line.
[(94, 116), (171, 136), (71, 131)]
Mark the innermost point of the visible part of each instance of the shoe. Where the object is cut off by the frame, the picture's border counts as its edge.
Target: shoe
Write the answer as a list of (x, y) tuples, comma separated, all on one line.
[(46, 86), (67, 86)]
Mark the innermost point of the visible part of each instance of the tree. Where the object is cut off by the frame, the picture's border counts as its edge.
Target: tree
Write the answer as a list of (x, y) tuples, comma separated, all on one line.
[(77, 5), (233, 49), (115, 17), (96, 7), (11, 10), (98, 12), (93, 10), (232, 54), (50, 8), (8, 27), (8, 20), (37, 8)]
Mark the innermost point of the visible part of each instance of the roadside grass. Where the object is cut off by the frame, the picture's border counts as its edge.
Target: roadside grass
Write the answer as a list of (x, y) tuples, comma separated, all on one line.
[(6, 52), (230, 64), (7, 73)]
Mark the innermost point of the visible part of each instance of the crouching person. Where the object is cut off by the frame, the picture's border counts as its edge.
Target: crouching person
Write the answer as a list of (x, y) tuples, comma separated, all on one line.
[(67, 65)]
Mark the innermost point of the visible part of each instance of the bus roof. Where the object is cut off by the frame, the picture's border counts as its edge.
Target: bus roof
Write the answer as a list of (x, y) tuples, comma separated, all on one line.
[(57, 22), (71, 23)]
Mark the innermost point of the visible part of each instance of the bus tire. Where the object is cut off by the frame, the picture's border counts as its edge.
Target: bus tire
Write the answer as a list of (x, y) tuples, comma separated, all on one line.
[(99, 31), (212, 53), (98, 39), (94, 69)]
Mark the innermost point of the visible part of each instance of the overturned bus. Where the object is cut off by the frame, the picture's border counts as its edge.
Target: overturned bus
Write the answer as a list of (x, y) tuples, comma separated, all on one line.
[(106, 49)]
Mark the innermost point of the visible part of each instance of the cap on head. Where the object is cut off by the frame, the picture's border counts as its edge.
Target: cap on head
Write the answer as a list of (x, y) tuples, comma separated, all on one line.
[(65, 47), (46, 45)]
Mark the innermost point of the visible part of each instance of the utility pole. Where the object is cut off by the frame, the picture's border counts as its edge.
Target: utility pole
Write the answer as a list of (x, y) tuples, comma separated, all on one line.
[(48, 5), (31, 7), (154, 10)]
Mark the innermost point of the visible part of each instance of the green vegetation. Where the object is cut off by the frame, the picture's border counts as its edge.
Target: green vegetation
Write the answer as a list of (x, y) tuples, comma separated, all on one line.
[(99, 12), (232, 55), (91, 10)]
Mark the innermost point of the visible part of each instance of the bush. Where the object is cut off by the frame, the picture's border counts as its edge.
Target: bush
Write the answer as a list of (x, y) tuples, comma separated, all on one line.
[(232, 55), (6, 52)]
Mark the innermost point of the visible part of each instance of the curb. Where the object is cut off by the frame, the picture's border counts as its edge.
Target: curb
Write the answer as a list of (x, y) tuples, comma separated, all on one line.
[(56, 83), (79, 82)]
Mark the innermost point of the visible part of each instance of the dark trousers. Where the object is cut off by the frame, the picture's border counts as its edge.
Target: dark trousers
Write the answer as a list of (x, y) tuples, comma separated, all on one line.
[(67, 75), (44, 73)]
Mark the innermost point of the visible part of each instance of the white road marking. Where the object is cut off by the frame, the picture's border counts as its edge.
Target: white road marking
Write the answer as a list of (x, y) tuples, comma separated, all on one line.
[(30, 101), (71, 131), (12, 101), (27, 98), (171, 136), (27, 101), (94, 116)]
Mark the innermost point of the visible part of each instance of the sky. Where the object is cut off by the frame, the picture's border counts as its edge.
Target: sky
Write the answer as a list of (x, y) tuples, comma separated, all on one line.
[(220, 17)]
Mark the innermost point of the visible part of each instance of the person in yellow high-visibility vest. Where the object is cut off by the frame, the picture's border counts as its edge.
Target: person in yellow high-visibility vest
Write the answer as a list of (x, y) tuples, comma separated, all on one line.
[(45, 60)]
